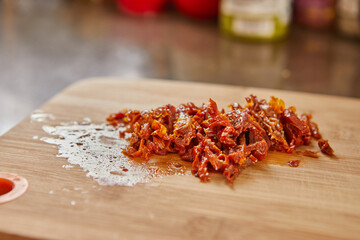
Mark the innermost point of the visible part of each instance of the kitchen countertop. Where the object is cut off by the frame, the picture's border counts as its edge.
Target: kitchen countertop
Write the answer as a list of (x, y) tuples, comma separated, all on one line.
[(47, 45)]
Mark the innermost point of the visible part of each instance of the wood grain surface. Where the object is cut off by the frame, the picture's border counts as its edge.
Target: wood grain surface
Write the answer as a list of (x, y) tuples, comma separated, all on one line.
[(318, 200)]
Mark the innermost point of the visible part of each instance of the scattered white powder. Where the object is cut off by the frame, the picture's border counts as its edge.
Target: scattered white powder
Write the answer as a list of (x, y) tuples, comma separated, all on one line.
[(51, 192), (98, 150), (35, 137), (40, 116), (73, 203)]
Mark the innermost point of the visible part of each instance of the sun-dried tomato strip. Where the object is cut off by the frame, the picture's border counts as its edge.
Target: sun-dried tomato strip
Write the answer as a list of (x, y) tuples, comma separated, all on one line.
[(325, 147)]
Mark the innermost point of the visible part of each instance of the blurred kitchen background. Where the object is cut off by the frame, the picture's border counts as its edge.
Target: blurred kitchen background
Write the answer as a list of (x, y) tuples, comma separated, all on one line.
[(301, 45)]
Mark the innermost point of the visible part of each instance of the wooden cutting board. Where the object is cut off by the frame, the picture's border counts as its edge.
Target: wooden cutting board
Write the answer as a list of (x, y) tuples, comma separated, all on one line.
[(318, 200)]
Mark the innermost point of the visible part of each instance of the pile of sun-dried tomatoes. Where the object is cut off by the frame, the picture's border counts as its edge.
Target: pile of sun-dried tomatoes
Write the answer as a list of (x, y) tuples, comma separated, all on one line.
[(215, 140)]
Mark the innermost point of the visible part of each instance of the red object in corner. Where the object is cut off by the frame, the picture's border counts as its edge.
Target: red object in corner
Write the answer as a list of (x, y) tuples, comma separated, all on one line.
[(141, 7), (199, 9)]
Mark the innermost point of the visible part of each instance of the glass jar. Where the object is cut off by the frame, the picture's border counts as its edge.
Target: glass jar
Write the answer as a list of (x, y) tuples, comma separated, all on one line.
[(255, 20), (348, 21)]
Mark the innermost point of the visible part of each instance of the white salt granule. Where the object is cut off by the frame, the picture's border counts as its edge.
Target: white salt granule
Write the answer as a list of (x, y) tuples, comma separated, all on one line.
[(67, 167), (87, 120), (40, 116)]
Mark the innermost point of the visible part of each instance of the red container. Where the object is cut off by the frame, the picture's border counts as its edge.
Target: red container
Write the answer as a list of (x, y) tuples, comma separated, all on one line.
[(142, 7), (198, 9)]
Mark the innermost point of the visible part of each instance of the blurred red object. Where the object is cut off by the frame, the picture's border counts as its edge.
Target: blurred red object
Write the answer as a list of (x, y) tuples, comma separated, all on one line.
[(142, 7), (315, 13), (198, 9)]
